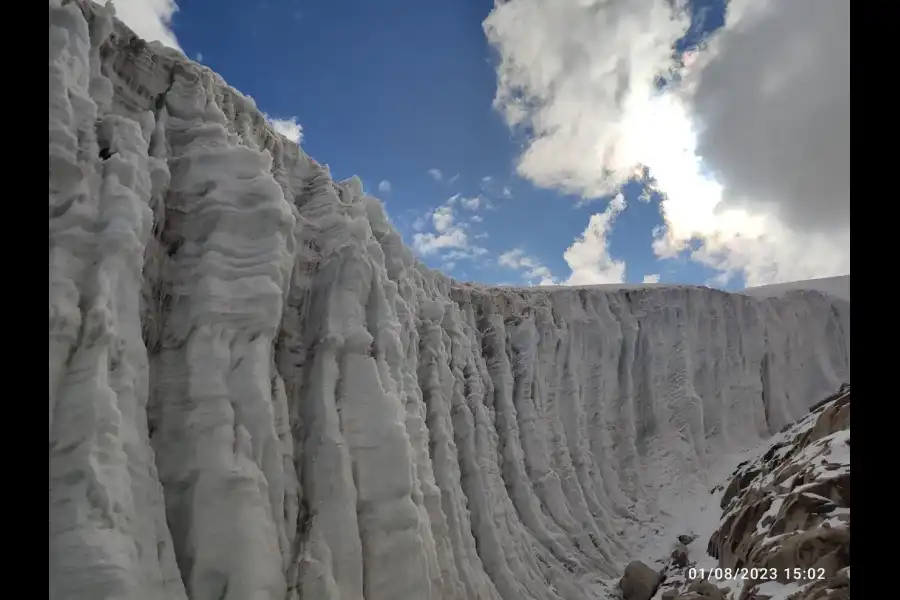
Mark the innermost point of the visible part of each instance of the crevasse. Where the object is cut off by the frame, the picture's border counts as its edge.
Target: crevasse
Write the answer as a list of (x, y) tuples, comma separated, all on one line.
[(257, 393)]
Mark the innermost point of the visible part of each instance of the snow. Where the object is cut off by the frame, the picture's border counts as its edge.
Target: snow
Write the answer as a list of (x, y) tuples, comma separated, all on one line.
[(778, 591), (256, 391), (694, 510), (839, 287)]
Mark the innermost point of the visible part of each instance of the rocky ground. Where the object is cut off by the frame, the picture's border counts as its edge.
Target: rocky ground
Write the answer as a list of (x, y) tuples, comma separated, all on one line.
[(784, 533)]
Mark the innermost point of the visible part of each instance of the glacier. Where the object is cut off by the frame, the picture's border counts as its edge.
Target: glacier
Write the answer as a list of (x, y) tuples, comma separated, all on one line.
[(257, 392)]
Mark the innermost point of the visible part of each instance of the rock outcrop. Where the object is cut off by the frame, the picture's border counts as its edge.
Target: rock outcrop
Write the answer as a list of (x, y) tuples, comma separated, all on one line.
[(640, 581), (256, 391), (787, 514), (785, 529)]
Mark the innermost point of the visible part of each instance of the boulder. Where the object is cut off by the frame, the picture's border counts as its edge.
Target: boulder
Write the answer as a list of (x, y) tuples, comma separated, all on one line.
[(639, 582), (706, 590), (680, 556)]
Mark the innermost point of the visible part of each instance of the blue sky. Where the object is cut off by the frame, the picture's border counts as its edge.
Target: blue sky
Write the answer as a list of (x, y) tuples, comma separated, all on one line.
[(402, 91)]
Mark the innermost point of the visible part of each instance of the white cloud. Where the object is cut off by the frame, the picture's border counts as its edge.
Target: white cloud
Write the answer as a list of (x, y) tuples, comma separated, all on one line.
[(384, 187), (289, 127), (476, 219), (573, 72), (472, 203), (652, 278), (430, 243), (468, 253), (442, 219), (773, 98), (491, 188), (589, 258), (448, 236), (532, 269), (769, 199), (150, 19), (646, 194), (436, 174)]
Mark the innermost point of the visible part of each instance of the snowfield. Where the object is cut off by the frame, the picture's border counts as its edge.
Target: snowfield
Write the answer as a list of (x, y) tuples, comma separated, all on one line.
[(257, 392), (839, 287)]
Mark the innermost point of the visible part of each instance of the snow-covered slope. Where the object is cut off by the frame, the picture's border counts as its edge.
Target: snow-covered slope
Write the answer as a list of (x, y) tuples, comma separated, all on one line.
[(787, 514), (776, 528), (839, 287), (256, 391)]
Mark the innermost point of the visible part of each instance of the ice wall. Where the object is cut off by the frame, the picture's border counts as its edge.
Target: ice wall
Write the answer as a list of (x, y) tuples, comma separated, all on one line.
[(256, 391)]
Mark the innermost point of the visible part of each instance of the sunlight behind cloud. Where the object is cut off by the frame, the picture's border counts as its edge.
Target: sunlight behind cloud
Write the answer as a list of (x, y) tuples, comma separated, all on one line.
[(582, 77), (660, 135)]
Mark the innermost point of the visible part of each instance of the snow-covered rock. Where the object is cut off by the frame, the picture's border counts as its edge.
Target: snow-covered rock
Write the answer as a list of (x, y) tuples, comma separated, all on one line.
[(640, 581), (784, 531), (787, 514), (256, 391)]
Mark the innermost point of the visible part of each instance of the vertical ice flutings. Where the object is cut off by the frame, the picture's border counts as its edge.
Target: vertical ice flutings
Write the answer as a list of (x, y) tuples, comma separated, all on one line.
[(257, 393)]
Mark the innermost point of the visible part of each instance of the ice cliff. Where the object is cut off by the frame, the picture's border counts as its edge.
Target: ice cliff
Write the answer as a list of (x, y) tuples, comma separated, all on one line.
[(257, 392)]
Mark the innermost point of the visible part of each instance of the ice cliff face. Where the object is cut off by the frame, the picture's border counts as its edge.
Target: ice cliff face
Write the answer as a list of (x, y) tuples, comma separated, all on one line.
[(256, 392)]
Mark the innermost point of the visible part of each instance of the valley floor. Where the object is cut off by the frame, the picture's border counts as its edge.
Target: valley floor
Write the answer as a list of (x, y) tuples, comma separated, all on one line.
[(688, 508)]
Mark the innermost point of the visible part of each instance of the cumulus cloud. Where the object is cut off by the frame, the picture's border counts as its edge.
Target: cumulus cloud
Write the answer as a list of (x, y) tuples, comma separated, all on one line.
[(384, 187), (572, 73), (448, 236), (772, 96), (774, 100), (430, 243), (532, 269), (749, 152), (289, 127), (442, 219), (472, 203), (436, 174), (150, 19), (651, 278), (588, 257)]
